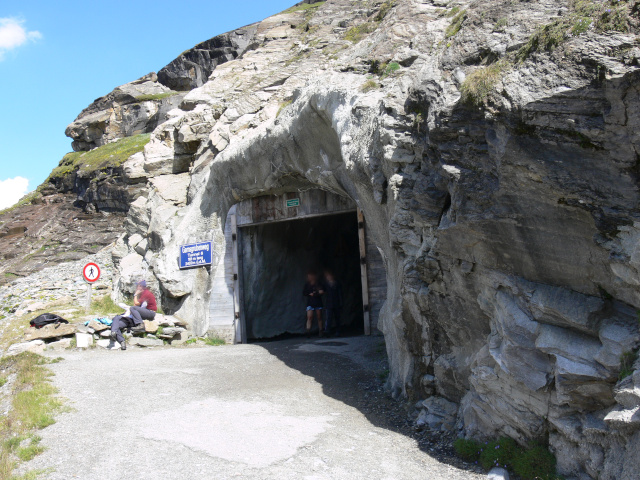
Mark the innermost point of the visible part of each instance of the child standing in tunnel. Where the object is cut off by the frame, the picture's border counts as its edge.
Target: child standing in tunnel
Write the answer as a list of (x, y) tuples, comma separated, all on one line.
[(333, 302), (313, 290)]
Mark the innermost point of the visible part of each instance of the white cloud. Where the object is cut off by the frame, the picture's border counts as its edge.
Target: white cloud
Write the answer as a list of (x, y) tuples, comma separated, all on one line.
[(13, 34), (12, 190)]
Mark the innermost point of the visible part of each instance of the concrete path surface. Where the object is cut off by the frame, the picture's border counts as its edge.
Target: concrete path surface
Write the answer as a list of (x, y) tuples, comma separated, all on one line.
[(281, 410)]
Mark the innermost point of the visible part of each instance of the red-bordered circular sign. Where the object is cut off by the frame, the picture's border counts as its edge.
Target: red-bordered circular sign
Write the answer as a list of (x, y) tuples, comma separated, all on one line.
[(91, 272)]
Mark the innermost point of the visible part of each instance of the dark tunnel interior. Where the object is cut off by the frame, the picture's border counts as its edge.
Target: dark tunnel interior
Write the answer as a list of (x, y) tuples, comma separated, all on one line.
[(275, 260)]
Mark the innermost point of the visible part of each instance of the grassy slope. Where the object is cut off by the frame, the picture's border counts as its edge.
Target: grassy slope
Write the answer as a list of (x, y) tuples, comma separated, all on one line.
[(110, 155)]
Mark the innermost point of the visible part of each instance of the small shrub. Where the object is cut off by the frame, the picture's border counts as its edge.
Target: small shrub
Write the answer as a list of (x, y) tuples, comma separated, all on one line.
[(626, 364), (468, 450), (3, 381), (499, 453), (391, 68), (535, 463)]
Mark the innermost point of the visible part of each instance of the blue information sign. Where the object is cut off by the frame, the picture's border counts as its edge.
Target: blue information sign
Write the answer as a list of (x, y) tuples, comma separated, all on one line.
[(195, 255)]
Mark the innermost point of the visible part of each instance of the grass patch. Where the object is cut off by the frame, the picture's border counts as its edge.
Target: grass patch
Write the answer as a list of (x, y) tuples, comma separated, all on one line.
[(626, 363), (501, 25), (303, 7), (456, 24), (155, 96), (33, 406), (477, 87), (110, 155), (532, 463), (385, 8), (452, 11), (283, 105), (214, 341), (358, 32), (26, 200), (369, 85), (210, 341), (29, 452), (583, 16), (104, 306)]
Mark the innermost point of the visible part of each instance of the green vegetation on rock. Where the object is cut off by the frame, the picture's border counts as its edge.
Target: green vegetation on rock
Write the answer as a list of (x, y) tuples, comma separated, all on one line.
[(303, 7), (26, 200), (583, 16), (369, 85), (478, 85), (104, 306), (532, 463), (110, 155), (358, 32), (156, 96), (456, 24), (282, 106)]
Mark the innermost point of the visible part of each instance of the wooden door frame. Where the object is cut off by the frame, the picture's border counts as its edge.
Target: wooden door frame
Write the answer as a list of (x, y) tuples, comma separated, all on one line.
[(239, 318)]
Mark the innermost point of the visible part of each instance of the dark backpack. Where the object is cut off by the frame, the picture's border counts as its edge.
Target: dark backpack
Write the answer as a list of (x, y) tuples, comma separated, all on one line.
[(47, 319)]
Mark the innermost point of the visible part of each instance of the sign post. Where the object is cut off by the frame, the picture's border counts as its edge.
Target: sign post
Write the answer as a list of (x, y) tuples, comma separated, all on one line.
[(196, 255), (91, 273)]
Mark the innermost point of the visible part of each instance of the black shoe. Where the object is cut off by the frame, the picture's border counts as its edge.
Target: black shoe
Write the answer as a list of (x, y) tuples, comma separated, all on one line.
[(138, 329), (308, 333)]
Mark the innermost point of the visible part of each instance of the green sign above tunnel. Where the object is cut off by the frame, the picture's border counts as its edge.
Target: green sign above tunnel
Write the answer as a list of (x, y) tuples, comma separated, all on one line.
[(293, 202)]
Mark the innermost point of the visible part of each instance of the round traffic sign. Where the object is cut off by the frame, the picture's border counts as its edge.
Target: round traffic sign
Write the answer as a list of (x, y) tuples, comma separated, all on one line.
[(91, 272)]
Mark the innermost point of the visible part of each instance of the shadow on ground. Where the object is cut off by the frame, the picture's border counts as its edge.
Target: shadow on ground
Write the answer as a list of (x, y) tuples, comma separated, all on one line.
[(356, 377)]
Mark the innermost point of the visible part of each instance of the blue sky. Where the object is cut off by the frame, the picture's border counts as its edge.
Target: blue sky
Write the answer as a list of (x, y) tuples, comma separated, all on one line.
[(56, 57)]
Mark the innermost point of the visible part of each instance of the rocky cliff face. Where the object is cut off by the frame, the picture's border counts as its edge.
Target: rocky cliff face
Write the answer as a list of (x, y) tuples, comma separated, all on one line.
[(493, 148)]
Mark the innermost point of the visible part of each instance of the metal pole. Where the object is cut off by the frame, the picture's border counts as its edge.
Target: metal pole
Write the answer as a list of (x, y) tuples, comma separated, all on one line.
[(88, 298)]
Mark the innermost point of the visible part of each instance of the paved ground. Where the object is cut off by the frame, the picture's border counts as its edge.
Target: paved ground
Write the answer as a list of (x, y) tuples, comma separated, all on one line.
[(294, 409)]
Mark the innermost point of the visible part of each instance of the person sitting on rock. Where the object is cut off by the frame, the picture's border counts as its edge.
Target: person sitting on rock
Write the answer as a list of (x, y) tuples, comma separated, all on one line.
[(145, 308), (144, 302)]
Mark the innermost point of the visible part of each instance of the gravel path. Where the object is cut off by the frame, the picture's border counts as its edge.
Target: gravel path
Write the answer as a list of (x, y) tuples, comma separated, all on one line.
[(293, 409)]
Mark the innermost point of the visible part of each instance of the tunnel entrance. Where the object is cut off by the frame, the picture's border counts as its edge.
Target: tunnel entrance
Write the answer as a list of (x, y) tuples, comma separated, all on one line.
[(275, 259), (269, 244)]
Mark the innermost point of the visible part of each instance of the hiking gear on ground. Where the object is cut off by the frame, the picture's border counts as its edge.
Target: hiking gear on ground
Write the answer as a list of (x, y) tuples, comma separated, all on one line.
[(47, 319)]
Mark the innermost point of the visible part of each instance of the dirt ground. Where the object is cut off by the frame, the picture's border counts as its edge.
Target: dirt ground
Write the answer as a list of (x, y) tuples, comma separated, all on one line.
[(292, 409)]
